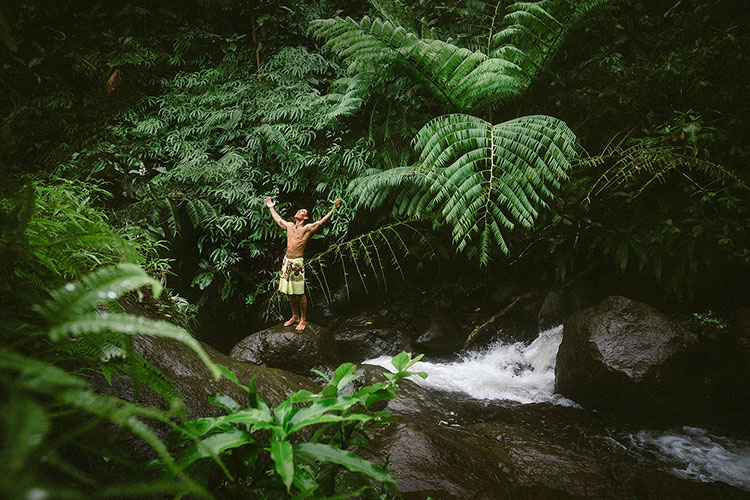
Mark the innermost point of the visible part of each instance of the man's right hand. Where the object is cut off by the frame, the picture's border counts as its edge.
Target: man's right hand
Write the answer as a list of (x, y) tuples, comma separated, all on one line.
[(269, 203)]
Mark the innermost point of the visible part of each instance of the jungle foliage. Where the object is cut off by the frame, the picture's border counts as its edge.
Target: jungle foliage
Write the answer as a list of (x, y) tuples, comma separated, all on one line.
[(546, 139)]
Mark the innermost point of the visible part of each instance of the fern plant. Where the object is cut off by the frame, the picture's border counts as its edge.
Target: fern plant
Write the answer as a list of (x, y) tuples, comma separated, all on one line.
[(51, 408), (516, 43), (481, 179)]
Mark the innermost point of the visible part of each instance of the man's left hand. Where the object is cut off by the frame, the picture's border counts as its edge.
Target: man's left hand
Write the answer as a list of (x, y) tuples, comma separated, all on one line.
[(337, 203)]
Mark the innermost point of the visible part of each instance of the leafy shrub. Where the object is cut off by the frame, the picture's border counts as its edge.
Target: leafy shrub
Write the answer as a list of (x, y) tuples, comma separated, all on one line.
[(293, 450)]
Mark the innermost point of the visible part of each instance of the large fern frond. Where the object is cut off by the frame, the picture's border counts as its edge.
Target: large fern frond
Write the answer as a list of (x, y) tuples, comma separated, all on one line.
[(70, 309), (461, 78), (517, 43), (96, 288), (479, 178), (531, 32)]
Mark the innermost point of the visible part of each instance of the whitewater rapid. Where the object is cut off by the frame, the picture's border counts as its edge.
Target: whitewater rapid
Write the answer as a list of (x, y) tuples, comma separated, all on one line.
[(519, 372)]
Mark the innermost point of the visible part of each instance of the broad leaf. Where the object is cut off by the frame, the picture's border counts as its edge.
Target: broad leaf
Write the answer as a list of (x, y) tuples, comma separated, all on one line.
[(354, 463), (283, 457)]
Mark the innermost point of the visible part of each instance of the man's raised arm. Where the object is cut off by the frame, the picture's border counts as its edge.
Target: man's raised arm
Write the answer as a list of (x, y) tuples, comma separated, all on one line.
[(276, 217), (316, 225)]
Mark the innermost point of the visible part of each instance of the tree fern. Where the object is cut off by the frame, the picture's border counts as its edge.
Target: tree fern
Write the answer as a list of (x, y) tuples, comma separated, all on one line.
[(516, 45), (479, 178)]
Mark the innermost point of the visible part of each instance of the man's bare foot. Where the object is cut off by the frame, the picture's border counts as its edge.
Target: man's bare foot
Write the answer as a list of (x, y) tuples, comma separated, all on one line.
[(302, 325), (291, 320)]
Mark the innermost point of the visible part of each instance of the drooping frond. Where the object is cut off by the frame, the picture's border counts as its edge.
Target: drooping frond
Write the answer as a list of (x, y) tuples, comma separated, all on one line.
[(480, 179), (531, 32), (653, 162), (99, 287), (69, 310), (462, 78)]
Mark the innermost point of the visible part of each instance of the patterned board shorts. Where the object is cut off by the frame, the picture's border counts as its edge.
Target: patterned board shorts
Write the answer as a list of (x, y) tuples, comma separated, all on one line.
[(292, 276)]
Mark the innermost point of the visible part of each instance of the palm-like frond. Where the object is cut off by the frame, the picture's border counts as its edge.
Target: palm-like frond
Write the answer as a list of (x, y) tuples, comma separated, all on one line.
[(479, 178), (97, 288), (70, 309), (462, 78), (515, 44), (531, 32)]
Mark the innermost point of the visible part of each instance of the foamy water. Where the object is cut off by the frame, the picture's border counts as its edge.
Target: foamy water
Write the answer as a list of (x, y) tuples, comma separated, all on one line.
[(697, 454), (519, 372)]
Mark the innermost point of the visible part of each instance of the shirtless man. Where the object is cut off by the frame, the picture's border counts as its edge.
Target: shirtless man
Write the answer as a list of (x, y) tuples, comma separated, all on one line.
[(293, 269)]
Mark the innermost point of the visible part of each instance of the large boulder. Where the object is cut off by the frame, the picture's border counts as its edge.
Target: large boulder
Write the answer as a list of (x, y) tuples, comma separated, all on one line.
[(189, 375), (558, 305), (187, 372), (622, 354), (286, 348)]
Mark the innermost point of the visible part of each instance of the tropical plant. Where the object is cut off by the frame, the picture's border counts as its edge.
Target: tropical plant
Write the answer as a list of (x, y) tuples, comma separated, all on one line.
[(55, 422), (294, 450), (477, 177)]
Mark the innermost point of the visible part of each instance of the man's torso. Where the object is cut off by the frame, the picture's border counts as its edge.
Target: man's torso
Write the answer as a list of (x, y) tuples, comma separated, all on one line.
[(296, 240)]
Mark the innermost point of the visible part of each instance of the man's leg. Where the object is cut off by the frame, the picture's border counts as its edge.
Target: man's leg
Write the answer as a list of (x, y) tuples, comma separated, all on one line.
[(303, 311), (294, 304)]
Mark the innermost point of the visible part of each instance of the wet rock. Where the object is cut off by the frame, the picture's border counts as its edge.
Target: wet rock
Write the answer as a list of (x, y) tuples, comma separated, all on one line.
[(622, 354), (286, 348), (504, 293), (442, 336), (367, 336), (189, 375), (183, 367), (558, 304)]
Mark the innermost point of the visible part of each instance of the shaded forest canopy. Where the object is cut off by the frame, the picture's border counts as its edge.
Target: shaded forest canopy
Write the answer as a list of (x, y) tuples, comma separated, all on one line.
[(472, 142)]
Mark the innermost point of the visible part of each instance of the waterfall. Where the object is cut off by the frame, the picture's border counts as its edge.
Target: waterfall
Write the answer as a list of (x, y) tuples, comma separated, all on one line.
[(519, 372)]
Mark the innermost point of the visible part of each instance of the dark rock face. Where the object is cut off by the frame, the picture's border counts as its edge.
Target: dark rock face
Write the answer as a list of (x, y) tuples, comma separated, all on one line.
[(442, 336), (189, 375), (286, 348), (556, 307), (183, 367), (622, 354), (367, 336)]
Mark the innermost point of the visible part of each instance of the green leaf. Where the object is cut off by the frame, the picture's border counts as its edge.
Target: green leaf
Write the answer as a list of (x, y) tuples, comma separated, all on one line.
[(224, 401), (318, 412), (213, 446), (354, 463), (283, 457), (400, 361), (99, 287), (132, 325), (621, 255), (25, 425), (344, 374)]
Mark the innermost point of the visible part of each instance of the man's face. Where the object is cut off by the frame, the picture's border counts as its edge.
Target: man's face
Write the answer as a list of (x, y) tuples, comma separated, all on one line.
[(301, 214)]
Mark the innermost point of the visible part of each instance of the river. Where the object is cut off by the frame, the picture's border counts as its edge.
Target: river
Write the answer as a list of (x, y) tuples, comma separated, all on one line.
[(521, 373)]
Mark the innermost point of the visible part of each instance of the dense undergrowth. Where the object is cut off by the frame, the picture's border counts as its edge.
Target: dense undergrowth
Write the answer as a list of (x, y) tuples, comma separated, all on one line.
[(551, 140)]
